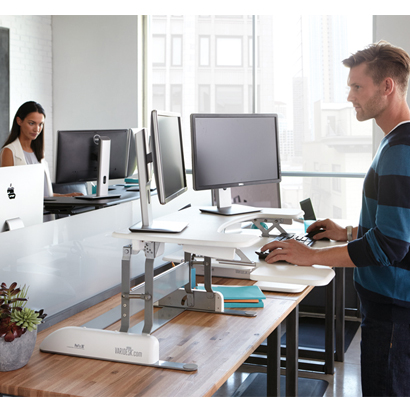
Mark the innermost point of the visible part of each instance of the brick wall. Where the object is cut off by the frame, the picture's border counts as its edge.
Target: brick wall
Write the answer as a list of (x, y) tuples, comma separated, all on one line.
[(31, 68)]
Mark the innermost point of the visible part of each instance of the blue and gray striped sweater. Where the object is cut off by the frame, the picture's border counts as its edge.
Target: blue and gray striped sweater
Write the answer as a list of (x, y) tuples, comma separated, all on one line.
[(382, 250)]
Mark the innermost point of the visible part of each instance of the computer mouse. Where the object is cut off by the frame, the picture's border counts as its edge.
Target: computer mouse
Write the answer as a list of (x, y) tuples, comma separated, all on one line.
[(315, 232), (263, 255)]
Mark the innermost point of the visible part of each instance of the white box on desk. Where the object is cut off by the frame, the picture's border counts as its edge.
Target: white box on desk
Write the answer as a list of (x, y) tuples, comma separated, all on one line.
[(219, 269)]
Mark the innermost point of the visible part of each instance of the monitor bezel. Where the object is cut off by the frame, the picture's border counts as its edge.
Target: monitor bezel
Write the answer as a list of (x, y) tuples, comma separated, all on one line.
[(197, 186), (157, 156)]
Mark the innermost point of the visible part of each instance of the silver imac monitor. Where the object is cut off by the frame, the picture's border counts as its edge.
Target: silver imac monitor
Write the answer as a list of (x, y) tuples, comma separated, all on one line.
[(21, 196), (233, 150), (163, 153)]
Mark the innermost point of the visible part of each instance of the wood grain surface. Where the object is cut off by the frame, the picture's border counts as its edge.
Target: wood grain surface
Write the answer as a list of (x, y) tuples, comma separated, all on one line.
[(217, 343)]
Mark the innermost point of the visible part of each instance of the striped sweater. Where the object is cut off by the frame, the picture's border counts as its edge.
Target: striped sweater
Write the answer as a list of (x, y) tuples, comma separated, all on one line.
[(381, 251)]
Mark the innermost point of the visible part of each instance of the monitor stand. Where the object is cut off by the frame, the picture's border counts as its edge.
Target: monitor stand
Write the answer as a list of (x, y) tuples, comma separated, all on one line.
[(13, 223), (148, 224), (103, 171), (224, 205), (160, 226)]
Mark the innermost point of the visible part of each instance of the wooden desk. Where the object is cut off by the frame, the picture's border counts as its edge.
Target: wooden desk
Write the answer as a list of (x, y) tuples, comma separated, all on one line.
[(217, 343)]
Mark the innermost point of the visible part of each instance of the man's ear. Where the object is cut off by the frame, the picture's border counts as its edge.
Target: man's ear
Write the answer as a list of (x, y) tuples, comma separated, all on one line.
[(389, 85)]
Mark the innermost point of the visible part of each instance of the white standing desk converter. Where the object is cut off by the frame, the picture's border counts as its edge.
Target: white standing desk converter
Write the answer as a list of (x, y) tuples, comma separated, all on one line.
[(208, 235), (205, 236)]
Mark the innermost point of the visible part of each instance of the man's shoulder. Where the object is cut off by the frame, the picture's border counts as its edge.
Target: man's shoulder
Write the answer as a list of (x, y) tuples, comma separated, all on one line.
[(400, 135)]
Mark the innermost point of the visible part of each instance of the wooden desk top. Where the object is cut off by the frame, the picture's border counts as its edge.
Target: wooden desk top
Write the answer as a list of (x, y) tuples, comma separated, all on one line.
[(217, 343)]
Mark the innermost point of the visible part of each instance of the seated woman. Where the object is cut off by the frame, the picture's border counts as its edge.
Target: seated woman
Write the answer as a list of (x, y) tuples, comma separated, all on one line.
[(25, 144)]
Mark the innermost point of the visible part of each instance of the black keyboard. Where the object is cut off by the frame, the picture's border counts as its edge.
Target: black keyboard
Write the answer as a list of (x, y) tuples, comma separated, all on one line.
[(286, 236), (300, 238)]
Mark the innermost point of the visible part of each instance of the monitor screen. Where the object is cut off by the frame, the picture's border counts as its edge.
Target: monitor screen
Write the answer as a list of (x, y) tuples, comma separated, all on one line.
[(168, 155), (230, 150), (21, 196), (78, 154)]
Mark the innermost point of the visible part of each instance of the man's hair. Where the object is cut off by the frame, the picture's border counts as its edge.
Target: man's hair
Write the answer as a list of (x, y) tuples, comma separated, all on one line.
[(383, 60)]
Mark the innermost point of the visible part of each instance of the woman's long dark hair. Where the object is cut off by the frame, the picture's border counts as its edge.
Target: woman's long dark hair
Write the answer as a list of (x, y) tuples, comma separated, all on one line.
[(38, 144)]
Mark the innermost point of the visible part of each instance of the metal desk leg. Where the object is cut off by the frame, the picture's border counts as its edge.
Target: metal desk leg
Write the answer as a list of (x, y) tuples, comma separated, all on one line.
[(340, 313), (149, 302), (292, 353), (329, 328), (125, 288), (273, 363)]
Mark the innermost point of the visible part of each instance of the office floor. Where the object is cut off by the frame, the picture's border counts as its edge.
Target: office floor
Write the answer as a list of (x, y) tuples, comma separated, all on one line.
[(345, 382)]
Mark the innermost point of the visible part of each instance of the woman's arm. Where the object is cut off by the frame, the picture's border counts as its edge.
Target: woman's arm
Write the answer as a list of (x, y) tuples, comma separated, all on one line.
[(7, 158)]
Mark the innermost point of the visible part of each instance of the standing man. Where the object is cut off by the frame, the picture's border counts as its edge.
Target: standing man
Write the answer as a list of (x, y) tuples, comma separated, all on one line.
[(379, 248)]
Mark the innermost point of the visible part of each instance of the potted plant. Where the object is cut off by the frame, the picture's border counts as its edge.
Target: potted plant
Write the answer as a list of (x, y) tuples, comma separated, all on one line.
[(18, 327)]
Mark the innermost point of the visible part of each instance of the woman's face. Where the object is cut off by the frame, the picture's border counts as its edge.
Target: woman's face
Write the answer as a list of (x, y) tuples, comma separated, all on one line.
[(31, 126)]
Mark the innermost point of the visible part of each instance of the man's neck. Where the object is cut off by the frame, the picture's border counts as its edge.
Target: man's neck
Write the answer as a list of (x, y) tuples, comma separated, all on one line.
[(393, 115)]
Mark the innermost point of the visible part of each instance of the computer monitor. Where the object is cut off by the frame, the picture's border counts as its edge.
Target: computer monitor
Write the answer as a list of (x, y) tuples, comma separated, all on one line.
[(95, 155), (168, 155), (233, 150), (21, 196), (165, 151)]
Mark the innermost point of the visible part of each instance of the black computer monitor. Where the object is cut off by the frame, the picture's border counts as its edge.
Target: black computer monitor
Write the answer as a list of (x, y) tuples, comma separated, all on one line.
[(165, 151), (233, 150), (79, 155)]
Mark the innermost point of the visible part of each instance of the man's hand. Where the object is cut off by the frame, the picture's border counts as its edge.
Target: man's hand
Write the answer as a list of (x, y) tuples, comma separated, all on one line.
[(290, 251), (333, 230)]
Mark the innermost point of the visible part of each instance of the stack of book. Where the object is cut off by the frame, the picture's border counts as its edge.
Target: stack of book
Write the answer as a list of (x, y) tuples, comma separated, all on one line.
[(240, 296)]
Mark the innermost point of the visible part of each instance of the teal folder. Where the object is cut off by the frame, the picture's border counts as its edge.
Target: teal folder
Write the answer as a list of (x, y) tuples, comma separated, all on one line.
[(239, 293)]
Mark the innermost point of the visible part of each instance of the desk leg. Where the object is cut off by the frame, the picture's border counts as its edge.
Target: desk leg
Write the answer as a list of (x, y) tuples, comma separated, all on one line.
[(340, 314), (329, 328), (149, 302), (292, 353), (125, 287), (273, 363)]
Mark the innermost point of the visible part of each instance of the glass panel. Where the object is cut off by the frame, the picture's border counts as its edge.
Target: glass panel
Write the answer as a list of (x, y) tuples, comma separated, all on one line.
[(158, 50), (215, 73), (304, 81), (301, 79), (176, 50), (325, 200), (204, 51), (229, 99), (229, 51), (176, 98)]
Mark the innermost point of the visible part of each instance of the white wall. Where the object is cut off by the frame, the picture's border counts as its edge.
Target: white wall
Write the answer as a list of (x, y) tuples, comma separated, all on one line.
[(395, 30), (31, 67), (94, 72)]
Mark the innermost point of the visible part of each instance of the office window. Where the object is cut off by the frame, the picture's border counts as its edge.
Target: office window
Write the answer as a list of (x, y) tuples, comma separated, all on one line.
[(229, 51), (299, 76), (250, 51), (204, 98), (176, 50), (176, 98), (158, 50), (337, 213), (158, 97), (229, 99), (204, 51), (336, 182)]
